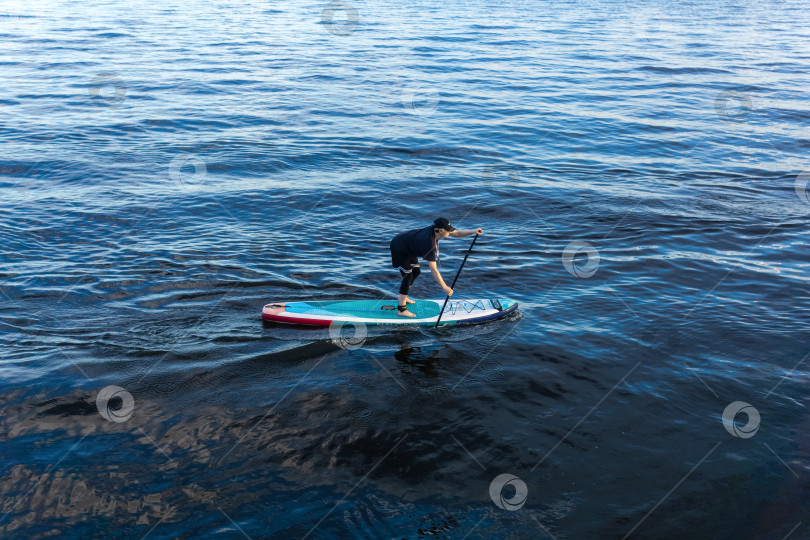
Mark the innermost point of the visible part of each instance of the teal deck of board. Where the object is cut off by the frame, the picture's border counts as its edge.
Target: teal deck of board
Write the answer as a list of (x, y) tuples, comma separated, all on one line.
[(367, 309)]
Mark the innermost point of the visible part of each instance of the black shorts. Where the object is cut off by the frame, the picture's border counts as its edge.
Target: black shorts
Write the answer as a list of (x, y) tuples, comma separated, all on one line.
[(401, 259), (403, 262)]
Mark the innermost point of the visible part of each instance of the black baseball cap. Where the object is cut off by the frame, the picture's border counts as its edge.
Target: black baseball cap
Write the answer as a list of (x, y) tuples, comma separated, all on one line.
[(444, 224)]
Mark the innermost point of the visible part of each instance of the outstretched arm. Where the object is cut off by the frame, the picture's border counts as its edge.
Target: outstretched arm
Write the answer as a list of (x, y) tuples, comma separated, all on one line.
[(462, 234), (438, 277)]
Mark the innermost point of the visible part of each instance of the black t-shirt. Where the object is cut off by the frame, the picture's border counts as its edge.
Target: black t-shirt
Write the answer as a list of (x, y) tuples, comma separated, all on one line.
[(419, 243)]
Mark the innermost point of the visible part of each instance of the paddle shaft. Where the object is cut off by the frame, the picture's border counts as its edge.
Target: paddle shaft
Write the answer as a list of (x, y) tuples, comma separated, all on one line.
[(456, 279)]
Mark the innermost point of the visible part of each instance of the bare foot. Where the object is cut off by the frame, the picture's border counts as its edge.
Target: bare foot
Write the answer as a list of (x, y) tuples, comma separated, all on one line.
[(406, 313), (409, 301)]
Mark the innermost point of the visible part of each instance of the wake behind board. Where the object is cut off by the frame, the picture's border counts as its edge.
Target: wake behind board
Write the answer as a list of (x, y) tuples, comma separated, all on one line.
[(380, 312)]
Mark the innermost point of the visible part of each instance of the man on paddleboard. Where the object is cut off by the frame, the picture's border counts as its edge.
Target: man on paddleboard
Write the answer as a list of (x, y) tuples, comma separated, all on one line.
[(408, 247)]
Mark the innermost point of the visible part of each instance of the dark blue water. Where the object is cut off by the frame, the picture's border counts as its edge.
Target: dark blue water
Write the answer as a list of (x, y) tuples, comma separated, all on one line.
[(639, 172)]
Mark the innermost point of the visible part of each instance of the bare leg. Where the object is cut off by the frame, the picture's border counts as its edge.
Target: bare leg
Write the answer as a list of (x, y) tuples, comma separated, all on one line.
[(403, 300)]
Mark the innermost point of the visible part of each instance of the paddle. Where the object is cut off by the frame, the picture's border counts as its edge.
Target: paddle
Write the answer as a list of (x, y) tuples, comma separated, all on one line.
[(456, 278)]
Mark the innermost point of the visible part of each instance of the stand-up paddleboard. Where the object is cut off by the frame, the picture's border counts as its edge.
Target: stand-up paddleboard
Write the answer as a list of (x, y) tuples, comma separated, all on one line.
[(376, 312)]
